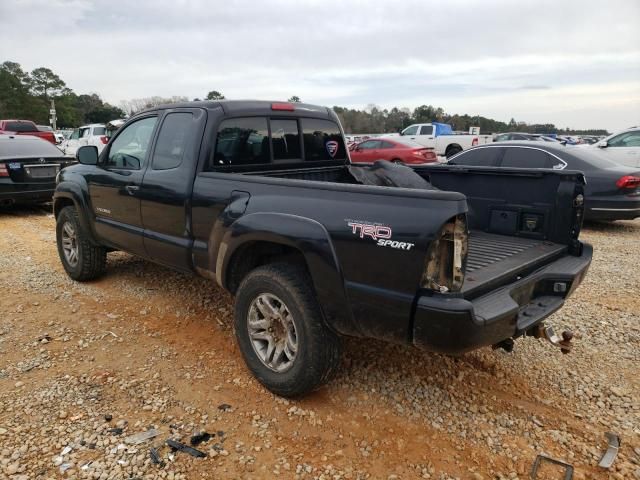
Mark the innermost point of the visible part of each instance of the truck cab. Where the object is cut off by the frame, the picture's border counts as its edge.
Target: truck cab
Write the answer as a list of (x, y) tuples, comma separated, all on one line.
[(441, 137)]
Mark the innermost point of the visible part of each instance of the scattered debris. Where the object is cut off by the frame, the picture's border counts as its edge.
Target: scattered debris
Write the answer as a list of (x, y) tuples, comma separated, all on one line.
[(199, 438), (224, 407), (612, 450), (65, 450), (115, 431), (64, 467), (185, 448), (108, 417), (155, 457), (141, 437), (568, 469)]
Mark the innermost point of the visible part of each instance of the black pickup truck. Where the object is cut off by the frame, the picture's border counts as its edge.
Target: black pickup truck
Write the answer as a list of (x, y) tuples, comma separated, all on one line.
[(262, 198)]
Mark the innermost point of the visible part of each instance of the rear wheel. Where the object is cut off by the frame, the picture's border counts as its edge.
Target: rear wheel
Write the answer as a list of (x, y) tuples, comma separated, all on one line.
[(451, 151), (80, 258), (281, 331)]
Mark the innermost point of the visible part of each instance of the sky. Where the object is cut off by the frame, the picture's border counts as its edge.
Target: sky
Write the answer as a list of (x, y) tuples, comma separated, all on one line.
[(574, 63)]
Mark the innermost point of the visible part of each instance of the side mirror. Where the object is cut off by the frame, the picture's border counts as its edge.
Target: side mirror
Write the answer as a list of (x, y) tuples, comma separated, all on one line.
[(603, 144), (87, 155)]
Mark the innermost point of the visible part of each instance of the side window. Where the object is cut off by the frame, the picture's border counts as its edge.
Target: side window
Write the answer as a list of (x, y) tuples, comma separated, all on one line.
[(426, 130), (75, 135), (478, 157), (410, 131), (98, 130), (370, 145), (628, 139), (84, 132), (130, 147), (242, 141), (322, 140), (384, 144), (285, 139), (173, 139), (525, 158)]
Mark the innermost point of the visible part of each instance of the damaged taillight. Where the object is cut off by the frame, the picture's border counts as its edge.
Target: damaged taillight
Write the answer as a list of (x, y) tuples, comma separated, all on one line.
[(447, 257)]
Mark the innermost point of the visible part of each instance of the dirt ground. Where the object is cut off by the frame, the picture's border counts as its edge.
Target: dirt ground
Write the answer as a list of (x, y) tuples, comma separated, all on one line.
[(151, 347)]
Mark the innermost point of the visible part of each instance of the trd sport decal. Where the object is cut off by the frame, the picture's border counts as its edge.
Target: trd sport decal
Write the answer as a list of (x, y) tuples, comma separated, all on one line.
[(380, 233), (332, 148)]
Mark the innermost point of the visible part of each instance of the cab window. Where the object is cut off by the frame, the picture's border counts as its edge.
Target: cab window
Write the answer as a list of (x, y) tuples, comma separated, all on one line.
[(129, 149), (242, 141), (174, 137), (426, 130), (285, 139), (410, 130), (322, 140)]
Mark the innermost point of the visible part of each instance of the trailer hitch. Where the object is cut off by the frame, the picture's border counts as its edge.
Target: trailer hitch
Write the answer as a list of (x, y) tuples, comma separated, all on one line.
[(548, 333)]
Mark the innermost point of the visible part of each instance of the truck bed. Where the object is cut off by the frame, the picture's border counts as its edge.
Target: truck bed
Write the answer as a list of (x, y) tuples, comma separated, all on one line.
[(494, 258)]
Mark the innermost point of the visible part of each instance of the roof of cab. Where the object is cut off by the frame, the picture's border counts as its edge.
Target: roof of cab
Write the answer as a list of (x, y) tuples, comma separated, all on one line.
[(249, 107)]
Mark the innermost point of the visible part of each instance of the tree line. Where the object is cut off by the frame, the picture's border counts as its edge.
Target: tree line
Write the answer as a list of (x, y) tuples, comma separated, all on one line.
[(27, 95)]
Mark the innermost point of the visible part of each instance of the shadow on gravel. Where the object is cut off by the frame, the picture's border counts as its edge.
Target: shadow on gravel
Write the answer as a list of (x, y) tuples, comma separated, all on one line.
[(26, 210), (611, 227)]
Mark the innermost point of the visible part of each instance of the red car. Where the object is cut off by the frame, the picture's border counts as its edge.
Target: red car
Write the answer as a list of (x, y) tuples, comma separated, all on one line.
[(398, 150), (25, 127)]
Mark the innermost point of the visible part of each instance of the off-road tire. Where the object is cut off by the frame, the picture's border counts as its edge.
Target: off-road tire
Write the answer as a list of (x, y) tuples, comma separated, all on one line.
[(319, 348), (92, 259)]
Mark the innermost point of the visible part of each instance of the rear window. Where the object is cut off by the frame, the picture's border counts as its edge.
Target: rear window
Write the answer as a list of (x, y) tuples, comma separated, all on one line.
[(285, 139), (322, 140), (26, 146), (242, 141), (99, 130), (20, 127)]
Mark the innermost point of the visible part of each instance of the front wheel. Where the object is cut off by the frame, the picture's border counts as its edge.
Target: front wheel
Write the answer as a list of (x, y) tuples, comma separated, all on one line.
[(81, 259), (281, 331), (452, 151)]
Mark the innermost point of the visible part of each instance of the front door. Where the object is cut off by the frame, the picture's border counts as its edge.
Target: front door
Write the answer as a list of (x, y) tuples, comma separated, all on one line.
[(114, 188), (624, 148)]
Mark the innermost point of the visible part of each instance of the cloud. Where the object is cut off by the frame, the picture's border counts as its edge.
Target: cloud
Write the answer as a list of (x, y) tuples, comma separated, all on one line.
[(462, 55)]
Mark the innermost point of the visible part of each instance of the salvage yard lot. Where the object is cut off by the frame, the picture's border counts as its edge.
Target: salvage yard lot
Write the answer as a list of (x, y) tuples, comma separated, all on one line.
[(151, 347)]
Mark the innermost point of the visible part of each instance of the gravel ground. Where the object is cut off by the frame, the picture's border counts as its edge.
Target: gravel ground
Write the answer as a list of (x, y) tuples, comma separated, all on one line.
[(86, 366)]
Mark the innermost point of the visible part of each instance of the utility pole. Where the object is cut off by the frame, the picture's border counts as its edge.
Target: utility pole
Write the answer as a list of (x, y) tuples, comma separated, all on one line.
[(52, 112)]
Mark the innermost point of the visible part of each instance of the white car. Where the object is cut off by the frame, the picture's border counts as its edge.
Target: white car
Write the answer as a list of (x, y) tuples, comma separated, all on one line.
[(94, 134), (622, 147)]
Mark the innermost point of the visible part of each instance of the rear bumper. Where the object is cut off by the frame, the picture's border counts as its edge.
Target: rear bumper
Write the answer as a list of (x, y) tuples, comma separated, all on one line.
[(615, 208), (26, 192), (456, 325)]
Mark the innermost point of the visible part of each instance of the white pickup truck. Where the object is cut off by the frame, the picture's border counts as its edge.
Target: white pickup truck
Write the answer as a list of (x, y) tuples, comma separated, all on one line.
[(440, 136)]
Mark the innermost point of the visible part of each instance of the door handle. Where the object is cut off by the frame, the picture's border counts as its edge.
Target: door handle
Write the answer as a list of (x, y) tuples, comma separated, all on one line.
[(132, 189)]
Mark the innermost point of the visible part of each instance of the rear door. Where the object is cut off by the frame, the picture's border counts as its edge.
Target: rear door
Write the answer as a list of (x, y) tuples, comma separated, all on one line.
[(167, 185), (115, 186)]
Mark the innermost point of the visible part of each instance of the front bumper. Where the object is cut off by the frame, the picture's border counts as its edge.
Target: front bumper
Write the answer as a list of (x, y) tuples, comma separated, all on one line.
[(454, 325)]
